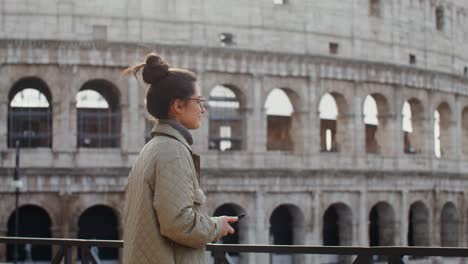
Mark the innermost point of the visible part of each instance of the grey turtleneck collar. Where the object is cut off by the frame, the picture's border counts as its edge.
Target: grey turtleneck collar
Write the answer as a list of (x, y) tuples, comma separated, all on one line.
[(180, 128)]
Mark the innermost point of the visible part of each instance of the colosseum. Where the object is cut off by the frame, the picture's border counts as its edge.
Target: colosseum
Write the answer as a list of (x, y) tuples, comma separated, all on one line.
[(330, 122)]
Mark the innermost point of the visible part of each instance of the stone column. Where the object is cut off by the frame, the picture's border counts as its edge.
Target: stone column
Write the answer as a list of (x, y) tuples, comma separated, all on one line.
[(56, 232), (388, 147), (259, 121), (4, 119), (427, 140), (3, 247), (403, 220), (357, 127), (261, 228), (397, 138), (132, 139), (72, 117), (345, 134), (457, 139), (63, 135), (362, 225), (73, 233), (312, 123), (246, 236), (318, 225), (299, 132), (434, 219)]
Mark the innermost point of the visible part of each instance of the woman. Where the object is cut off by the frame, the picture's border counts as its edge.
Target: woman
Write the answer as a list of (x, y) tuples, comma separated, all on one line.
[(164, 220)]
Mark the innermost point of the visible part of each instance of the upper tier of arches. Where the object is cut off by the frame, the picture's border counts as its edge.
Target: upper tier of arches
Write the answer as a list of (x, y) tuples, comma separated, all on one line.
[(356, 114)]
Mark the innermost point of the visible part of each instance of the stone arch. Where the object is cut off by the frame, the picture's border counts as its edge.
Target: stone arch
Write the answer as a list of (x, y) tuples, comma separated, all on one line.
[(413, 126), (286, 228), (81, 206), (98, 115), (376, 120), (382, 228), (239, 83), (334, 129), (439, 18), (418, 226), (294, 218), (51, 207), (34, 221), (240, 234), (283, 127), (100, 222), (337, 225), (30, 113), (226, 118), (337, 230), (442, 130), (449, 226)]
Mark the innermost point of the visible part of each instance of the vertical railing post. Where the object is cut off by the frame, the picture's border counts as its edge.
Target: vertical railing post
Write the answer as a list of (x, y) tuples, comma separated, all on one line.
[(68, 255), (221, 257), (84, 254), (94, 256)]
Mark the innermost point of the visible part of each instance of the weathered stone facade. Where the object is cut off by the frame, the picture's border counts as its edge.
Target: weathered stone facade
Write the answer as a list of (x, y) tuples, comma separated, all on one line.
[(274, 49)]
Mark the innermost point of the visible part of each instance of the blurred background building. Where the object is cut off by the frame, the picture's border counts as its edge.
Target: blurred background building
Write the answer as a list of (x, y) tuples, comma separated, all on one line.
[(331, 122)]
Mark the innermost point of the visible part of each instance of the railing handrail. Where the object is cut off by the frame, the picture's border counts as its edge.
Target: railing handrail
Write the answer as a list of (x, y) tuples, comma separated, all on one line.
[(258, 248), (62, 241)]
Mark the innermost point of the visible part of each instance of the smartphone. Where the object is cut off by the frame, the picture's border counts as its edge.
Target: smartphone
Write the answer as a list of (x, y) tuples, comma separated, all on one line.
[(242, 215)]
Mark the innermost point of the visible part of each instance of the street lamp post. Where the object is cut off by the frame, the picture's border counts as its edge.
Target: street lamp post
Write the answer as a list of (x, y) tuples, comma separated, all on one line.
[(17, 185)]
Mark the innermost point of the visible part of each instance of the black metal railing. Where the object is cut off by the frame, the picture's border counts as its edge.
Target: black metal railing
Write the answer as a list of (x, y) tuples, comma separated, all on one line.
[(364, 255)]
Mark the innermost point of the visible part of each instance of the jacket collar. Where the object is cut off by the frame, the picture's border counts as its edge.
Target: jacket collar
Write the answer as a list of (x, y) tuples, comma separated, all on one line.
[(168, 129)]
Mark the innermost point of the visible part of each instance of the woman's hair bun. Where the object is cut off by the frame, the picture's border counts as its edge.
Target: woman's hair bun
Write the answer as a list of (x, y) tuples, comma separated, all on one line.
[(155, 68)]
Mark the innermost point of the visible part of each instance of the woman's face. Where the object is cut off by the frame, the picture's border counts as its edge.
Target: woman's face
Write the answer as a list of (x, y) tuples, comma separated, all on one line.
[(192, 111)]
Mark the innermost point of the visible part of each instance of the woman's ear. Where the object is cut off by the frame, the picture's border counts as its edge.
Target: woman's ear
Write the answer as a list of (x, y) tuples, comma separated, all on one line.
[(177, 106)]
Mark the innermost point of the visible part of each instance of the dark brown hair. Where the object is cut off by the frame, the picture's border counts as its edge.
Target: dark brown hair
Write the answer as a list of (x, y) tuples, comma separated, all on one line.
[(166, 84)]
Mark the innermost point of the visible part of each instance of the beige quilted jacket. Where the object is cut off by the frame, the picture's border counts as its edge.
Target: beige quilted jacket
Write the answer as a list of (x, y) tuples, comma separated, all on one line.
[(164, 220)]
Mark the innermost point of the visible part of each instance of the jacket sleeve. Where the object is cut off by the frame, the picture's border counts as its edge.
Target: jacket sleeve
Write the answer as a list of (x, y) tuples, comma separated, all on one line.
[(173, 201)]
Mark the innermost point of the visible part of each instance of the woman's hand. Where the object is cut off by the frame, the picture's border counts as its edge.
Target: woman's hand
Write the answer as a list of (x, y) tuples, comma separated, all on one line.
[(226, 228)]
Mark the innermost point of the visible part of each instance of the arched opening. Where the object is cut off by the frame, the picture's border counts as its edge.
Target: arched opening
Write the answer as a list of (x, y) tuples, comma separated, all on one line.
[(328, 112), (100, 222), (240, 233), (374, 8), (376, 114), (449, 226), (333, 123), (442, 130), (286, 228), (418, 227), (225, 127), (98, 115), (279, 111), (30, 114), (439, 18), (382, 225), (464, 144), (337, 230), (371, 124), (33, 222), (413, 126)]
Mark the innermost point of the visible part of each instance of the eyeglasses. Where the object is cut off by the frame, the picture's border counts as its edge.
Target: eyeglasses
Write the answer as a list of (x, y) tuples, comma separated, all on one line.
[(200, 100)]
